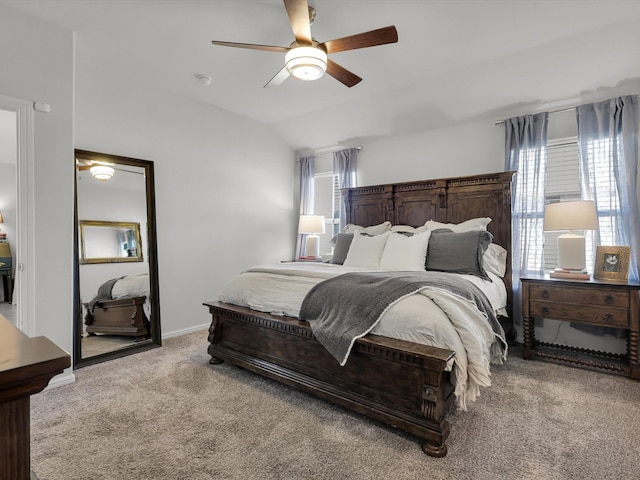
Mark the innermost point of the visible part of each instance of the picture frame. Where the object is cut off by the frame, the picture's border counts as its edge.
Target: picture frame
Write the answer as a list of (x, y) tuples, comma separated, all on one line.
[(612, 263)]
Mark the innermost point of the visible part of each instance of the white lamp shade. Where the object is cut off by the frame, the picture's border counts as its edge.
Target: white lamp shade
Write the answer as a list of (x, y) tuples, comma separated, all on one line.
[(580, 215), (311, 224)]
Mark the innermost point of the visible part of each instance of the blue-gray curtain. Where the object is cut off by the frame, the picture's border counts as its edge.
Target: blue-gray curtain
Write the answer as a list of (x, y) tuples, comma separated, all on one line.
[(306, 198), (608, 139), (345, 165), (525, 153)]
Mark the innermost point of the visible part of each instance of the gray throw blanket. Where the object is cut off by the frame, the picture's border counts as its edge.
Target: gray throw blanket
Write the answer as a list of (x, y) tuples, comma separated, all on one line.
[(347, 307), (104, 293)]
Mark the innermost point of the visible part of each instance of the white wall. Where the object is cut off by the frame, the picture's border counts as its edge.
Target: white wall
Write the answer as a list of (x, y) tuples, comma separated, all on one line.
[(467, 149), (36, 59), (224, 186)]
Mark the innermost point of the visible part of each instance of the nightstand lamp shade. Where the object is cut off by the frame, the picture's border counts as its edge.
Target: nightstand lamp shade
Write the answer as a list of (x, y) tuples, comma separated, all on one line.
[(311, 225), (580, 215)]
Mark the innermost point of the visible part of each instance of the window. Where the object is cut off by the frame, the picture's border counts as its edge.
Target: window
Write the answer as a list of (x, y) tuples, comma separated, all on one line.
[(605, 185), (327, 203), (563, 185)]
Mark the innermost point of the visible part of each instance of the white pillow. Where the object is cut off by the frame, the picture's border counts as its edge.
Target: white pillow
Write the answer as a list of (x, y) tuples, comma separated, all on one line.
[(366, 251), (495, 260), (408, 229), (469, 225), (403, 253), (373, 230)]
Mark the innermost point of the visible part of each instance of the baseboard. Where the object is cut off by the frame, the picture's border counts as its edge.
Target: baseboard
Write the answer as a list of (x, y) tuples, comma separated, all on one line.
[(184, 331), (62, 379)]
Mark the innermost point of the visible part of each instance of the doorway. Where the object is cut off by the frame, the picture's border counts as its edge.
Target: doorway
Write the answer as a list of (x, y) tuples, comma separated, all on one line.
[(16, 202), (8, 211)]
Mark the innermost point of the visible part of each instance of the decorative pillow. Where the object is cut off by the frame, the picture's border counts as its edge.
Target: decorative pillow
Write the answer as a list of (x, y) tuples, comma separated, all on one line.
[(373, 230), (473, 224), (408, 229), (495, 260), (403, 253), (341, 248), (366, 251), (458, 252)]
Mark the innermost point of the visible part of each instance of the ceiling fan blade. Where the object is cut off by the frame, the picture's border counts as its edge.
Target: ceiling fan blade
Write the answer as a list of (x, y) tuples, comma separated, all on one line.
[(278, 78), (298, 11), (381, 36), (342, 74), (252, 46)]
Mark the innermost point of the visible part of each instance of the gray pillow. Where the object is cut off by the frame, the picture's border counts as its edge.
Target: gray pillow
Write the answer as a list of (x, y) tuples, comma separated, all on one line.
[(461, 252), (341, 248)]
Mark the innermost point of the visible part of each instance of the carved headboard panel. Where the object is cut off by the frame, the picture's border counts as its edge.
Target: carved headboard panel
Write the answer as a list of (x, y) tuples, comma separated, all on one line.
[(447, 200)]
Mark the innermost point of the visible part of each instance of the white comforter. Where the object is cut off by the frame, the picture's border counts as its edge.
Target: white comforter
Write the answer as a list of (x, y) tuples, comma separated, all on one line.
[(431, 317)]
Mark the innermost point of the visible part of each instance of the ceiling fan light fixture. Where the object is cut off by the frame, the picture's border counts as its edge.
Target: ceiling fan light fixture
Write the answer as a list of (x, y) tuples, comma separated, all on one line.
[(306, 63), (102, 172)]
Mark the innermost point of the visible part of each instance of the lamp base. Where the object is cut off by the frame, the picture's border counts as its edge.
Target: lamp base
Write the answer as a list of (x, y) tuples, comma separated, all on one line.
[(571, 252), (569, 274), (312, 246)]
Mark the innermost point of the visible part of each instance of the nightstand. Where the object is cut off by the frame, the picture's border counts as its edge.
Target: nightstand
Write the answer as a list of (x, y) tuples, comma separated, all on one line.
[(589, 302)]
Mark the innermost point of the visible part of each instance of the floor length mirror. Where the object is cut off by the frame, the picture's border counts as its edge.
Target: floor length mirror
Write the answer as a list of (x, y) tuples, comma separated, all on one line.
[(116, 309)]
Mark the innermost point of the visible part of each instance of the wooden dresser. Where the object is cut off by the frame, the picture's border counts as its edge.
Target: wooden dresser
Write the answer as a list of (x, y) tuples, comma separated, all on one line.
[(26, 367), (589, 302)]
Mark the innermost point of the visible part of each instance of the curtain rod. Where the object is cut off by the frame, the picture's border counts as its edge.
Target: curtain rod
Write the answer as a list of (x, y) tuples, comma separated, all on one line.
[(568, 109), (328, 150), (561, 110)]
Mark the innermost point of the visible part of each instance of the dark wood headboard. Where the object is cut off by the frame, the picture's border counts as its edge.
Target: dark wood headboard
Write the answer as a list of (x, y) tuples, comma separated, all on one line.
[(446, 200)]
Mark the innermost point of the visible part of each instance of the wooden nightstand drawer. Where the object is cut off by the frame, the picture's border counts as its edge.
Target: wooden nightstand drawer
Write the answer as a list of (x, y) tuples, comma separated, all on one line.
[(609, 317), (609, 297)]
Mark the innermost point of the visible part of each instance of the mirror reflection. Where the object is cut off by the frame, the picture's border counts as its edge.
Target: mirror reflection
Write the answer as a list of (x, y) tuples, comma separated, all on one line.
[(116, 285), (109, 242)]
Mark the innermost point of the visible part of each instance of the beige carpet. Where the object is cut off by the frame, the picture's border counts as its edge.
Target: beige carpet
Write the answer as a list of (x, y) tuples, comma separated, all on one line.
[(168, 414)]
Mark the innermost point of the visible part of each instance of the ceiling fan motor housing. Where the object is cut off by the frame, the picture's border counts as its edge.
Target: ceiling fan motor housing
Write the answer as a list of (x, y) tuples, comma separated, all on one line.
[(306, 63)]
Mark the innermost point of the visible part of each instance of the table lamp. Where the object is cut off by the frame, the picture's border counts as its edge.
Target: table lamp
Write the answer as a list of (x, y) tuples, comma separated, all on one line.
[(311, 225), (562, 216)]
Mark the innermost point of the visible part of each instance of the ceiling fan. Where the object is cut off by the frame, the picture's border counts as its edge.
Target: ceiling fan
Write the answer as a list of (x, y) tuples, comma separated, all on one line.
[(100, 170), (306, 58)]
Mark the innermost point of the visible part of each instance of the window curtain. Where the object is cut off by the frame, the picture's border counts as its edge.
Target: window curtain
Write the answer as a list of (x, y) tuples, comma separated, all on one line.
[(608, 139), (345, 163), (525, 153), (306, 198)]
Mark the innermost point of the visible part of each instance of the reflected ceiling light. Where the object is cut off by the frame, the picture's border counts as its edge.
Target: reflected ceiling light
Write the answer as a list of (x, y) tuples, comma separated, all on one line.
[(306, 63), (102, 172)]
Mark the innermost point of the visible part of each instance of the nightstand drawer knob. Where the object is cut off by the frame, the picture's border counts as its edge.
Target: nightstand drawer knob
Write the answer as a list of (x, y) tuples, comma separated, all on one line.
[(607, 316), (608, 299), (545, 310), (545, 294)]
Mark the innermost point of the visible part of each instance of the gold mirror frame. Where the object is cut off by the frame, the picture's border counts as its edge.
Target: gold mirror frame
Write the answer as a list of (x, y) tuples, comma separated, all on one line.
[(135, 227)]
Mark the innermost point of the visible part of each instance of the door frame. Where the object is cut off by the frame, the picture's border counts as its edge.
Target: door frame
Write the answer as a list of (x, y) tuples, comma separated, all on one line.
[(25, 244)]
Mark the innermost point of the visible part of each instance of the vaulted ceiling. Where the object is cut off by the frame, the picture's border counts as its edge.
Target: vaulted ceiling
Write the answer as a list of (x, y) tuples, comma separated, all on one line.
[(456, 61)]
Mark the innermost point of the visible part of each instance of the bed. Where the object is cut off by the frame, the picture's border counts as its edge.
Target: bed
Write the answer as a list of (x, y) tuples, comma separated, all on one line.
[(409, 385), (120, 307)]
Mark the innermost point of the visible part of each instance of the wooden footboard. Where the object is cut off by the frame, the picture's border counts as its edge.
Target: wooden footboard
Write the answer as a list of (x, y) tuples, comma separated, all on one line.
[(400, 383), (118, 317)]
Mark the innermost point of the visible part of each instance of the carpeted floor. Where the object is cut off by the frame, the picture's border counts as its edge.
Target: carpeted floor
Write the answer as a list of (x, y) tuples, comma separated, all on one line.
[(168, 414)]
